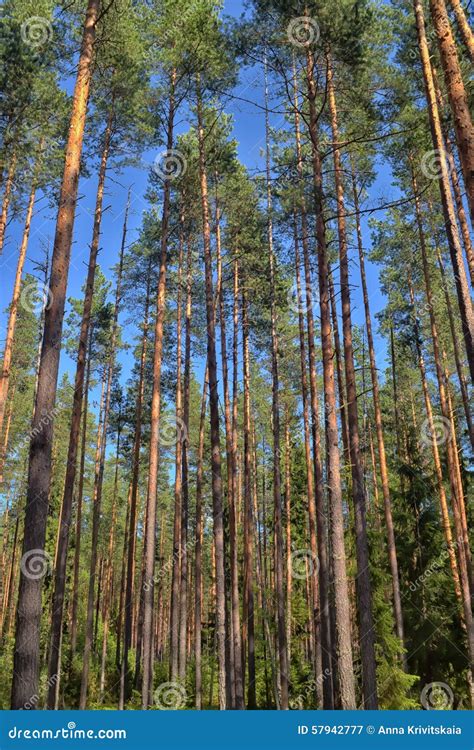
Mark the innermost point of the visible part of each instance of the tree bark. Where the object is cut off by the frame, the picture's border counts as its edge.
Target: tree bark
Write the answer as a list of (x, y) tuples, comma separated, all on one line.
[(132, 537), (464, 300), (341, 591), (150, 540), (26, 657), (12, 314), (457, 95), (6, 199), (391, 544), (364, 586), (98, 479), (283, 672), (218, 521), (66, 506)]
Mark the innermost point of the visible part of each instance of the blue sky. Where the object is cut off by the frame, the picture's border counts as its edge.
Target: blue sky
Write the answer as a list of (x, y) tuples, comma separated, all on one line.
[(249, 132)]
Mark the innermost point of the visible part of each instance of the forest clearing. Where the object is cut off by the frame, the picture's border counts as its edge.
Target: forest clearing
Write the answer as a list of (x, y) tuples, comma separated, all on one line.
[(237, 354)]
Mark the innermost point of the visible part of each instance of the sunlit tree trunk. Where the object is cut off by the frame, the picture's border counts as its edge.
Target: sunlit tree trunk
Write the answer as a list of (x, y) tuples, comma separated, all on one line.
[(66, 506), (26, 657), (456, 94), (6, 200), (12, 313), (464, 299)]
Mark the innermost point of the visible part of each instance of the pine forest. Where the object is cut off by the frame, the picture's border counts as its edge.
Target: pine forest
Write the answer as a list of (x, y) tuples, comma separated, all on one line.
[(236, 354)]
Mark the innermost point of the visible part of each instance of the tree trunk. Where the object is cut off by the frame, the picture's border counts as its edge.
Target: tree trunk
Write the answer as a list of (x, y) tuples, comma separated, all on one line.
[(277, 495), (80, 493), (132, 538), (150, 540), (98, 479), (453, 172), (26, 657), (391, 544), (234, 562), (6, 200), (66, 506), (218, 521), (457, 355), (341, 591), (464, 300), (464, 28), (364, 587), (183, 604), (249, 522), (457, 95), (12, 315), (198, 552), (321, 524), (177, 547)]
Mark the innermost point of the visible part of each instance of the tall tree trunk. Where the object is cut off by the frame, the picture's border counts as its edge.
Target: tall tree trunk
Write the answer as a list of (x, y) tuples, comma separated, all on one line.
[(464, 300), (457, 355), (391, 544), (183, 604), (12, 314), (198, 551), (26, 657), (314, 616), (80, 493), (150, 538), (321, 524), (66, 506), (236, 624), (453, 173), (249, 522), (341, 591), (277, 494), (132, 537), (177, 547), (459, 572), (456, 94), (98, 479), (364, 587), (6, 199), (109, 569), (218, 521), (464, 28)]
